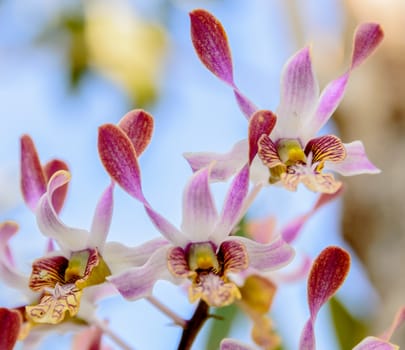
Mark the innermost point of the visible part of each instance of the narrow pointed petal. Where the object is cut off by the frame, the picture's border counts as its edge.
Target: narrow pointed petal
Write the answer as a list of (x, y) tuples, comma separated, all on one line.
[(33, 182), (233, 205), (138, 282), (261, 123), (367, 37), (373, 343), (118, 155), (119, 257), (231, 344), (245, 105), (299, 94), (7, 230), (49, 222), (169, 231), (199, 212), (327, 274), (399, 319), (59, 196), (88, 339), (269, 256), (101, 220), (211, 44), (356, 161), (10, 322), (138, 125), (224, 165), (293, 228)]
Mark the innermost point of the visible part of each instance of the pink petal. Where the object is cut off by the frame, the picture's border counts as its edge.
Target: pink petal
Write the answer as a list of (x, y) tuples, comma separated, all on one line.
[(49, 223), (233, 205), (328, 272), (398, 321), (59, 196), (33, 182), (231, 344), (367, 37), (101, 220), (261, 122), (264, 257), (10, 322), (299, 94), (293, 228), (211, 44), (224, 165), (356, 161), (7, 230), (118, 155), (246, 106), (88, 339), (138, 282), (373, 343), (199, 212), (138, 125)]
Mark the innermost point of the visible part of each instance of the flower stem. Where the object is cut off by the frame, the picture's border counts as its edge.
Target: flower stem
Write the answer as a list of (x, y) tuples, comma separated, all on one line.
[(168, 312), (106, 330), (193, 326)]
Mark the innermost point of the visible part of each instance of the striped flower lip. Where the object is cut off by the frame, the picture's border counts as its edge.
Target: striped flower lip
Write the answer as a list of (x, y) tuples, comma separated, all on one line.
[(290, 164)]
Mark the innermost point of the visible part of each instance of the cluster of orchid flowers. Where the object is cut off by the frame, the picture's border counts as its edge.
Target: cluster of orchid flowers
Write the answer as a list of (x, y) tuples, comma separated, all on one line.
[(207, 254)]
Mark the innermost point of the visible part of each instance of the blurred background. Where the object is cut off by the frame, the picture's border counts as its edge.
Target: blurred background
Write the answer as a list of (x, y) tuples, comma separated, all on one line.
[(67, 67)]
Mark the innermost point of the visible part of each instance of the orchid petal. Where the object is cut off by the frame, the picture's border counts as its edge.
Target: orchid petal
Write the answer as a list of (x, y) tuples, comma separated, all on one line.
[(118, 155), (327, 274), (293, 228), (101, 220), (233, 205), (268, 152), (225, 165), (367, 37), (299, 94), (49, 222), (326, 148), (120, 257), (169, 231), (269, 256), (199, 212), (245, 105), (138, 125), (373, 343), (11, 322), (231, 344), (261, 122), (138, 282), (88, 339), (211, 44), (59, 196), (398, 320), (356, 161), (33, 182), (177, 263)]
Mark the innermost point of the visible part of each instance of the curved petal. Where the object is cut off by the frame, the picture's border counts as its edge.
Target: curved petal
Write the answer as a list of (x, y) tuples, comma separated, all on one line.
[(261, 122), (245, 105), (233, 205), (138, 282), (269, 256), (138, 125), (211, 44), (299, 94), (11, 322), (33, 182), (225, 165), (49, 223), (59, 195), (327, 274), (231, 344), (101, 220), (373, 343), (326, 148), (355, 163), (367, 37), (120, 257), (118, 155), (199, 212)]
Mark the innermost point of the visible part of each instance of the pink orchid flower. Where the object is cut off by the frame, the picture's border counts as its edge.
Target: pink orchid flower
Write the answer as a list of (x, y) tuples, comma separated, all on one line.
[(202, 251), (289, 153)]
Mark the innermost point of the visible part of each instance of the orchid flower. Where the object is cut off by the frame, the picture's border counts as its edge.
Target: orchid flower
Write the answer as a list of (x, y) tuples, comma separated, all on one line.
[(202, 251), (290, 152)]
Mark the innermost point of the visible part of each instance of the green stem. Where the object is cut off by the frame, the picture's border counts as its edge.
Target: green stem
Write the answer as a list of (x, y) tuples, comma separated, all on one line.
[(193, 326)]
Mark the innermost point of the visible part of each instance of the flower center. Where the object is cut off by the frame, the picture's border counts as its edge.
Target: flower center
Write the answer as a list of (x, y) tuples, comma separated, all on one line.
[(201, 256)]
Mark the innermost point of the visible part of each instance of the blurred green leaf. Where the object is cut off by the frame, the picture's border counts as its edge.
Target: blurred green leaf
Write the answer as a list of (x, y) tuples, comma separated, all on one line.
[(349, 330)]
